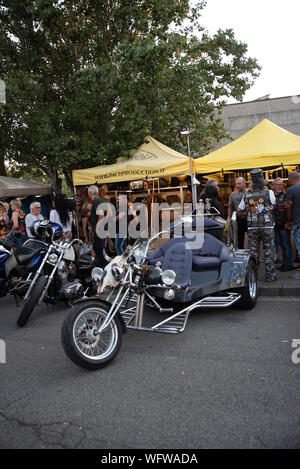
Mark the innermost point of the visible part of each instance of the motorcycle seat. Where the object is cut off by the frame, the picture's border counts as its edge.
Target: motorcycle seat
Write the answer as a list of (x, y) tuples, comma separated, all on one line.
[(211, 255), (25, 253), (179, 259), (207, 255), (160, 253)]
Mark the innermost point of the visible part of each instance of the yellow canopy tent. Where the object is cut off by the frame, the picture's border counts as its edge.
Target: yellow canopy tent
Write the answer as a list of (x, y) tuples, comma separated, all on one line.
[(151, 160), (266, 145)]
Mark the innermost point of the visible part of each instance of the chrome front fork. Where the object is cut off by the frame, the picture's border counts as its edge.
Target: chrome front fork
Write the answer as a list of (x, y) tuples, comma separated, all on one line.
[(115, 306), (38, 273)]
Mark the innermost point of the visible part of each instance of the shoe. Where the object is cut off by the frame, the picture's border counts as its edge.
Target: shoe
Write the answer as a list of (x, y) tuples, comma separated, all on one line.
[(285, 268), (271, 279)]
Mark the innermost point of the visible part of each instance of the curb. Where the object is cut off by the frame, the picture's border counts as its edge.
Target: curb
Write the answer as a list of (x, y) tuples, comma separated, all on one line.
[(284, 286), (278, 290)]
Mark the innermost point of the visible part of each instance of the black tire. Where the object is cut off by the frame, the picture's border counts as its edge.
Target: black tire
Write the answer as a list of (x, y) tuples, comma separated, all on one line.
[(32, 301), (78, 340), (249, 291)]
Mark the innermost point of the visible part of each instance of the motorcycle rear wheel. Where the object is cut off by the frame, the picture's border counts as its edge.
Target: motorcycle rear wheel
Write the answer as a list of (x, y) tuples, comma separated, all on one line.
[(32, 301), (79, 342), (249, 291)]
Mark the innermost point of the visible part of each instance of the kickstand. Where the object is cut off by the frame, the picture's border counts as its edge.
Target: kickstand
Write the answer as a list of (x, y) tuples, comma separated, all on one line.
[(16, 300)]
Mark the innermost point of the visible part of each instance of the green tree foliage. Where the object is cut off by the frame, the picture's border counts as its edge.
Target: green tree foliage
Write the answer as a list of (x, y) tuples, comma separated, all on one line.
[(87, 80)]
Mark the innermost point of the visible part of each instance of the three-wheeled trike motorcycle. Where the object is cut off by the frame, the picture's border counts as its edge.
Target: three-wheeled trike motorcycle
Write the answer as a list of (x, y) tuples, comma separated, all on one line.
[(174, 272)]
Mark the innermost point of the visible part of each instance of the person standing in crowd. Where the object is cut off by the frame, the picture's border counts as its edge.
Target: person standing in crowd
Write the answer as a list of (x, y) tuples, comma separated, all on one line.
[(87, 233), (212, 193), (121, 226), (241, 216), (34, 215), (132, 214), (282, 234), (62, 215), (97, 198), (259, 204), (17, 234), (293, 205), (4, 221)]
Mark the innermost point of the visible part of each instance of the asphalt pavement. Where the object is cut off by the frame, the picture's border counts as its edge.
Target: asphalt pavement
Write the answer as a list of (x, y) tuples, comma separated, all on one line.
[(227, 381)]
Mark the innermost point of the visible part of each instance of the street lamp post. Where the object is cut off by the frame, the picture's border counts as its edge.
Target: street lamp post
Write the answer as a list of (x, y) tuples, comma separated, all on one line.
[(186, 132)]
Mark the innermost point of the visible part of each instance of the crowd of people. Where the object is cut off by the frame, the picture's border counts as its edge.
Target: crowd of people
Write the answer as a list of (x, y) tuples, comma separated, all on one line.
[(90, 214), (269, 214), (15, 225)]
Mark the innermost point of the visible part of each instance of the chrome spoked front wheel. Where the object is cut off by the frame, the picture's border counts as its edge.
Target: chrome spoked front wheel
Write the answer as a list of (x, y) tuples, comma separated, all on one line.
[(89, 343), (81, 341)]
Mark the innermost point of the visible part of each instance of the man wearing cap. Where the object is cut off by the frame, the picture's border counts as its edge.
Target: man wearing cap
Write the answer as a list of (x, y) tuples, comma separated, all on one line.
[(259, 204)]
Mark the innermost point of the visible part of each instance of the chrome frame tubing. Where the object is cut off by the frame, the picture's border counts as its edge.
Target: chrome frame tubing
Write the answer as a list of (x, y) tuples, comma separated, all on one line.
[(138, 321), (207, 302), (164, 326), (50, 278)]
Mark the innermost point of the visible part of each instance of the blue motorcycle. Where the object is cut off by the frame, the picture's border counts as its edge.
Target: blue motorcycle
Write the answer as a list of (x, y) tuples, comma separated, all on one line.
[(62, 274), (4, 255), (18, 266)]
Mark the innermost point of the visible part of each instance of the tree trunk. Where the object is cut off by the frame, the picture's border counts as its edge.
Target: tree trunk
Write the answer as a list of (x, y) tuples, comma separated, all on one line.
[(69, 179), (2, 166), (55, 180)]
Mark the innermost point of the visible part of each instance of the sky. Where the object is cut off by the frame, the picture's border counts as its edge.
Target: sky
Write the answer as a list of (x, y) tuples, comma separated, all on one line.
[(271, 28)]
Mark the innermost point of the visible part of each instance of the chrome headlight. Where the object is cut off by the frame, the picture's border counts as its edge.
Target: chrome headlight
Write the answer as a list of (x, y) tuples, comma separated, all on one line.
[(96, 274), (168, 277), (52, 259)]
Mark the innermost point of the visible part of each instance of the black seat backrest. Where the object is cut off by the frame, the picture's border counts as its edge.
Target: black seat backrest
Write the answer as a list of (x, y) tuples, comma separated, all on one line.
[(204, 244), (179, 259)]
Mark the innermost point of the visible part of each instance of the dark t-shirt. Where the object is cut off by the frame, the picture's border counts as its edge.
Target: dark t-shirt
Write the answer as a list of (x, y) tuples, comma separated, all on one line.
[(293, 194), (123, 209), (93, 215)]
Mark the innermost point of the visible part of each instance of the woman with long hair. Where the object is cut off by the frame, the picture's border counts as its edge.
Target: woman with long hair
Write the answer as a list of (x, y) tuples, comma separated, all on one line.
[(62, 215), (17, 234)]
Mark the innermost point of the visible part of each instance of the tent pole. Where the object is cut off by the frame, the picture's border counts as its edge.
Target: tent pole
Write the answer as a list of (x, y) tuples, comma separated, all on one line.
[(193, 186), (76, 216)]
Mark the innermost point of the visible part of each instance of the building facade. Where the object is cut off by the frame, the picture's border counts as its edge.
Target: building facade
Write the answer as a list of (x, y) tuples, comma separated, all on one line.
[(241, 117)]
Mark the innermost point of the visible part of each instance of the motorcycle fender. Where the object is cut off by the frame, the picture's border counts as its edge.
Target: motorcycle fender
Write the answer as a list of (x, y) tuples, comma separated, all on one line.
[(10, 265), (100, 300), (238, 270)]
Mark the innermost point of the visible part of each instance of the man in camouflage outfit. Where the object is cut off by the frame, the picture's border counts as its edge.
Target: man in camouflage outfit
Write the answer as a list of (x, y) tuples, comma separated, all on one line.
[(259, 204)]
